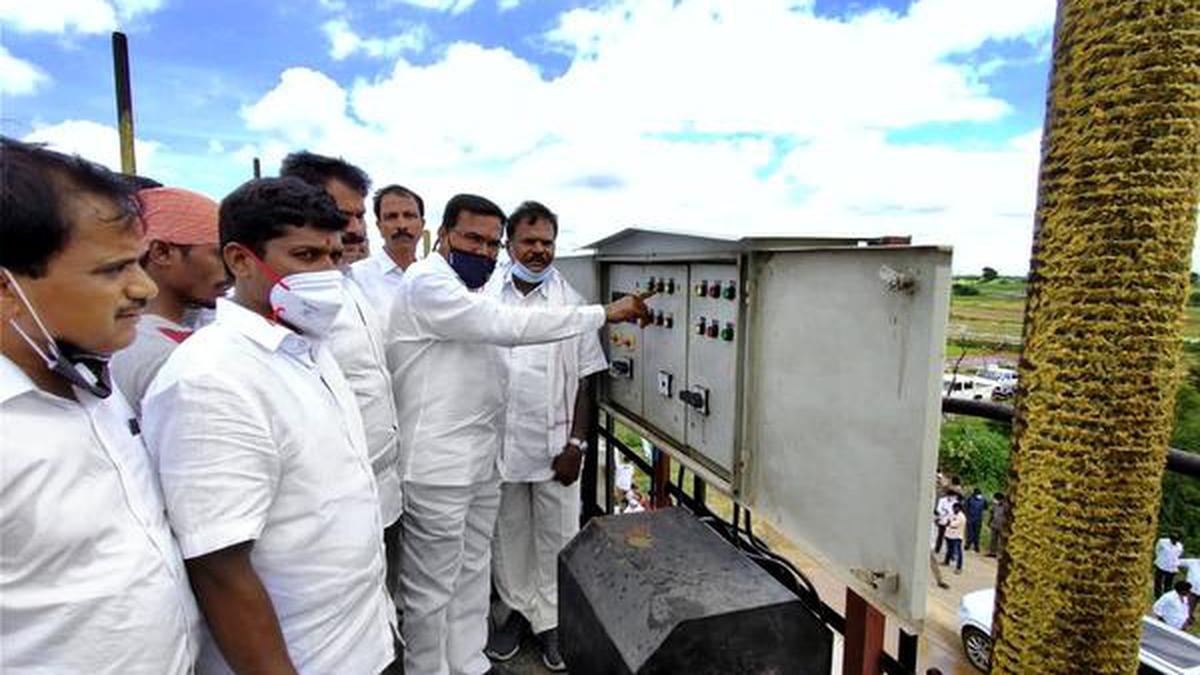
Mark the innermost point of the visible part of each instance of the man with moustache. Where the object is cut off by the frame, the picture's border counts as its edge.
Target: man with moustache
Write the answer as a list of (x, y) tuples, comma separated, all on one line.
[(444, 348), (184, 260), (91, 580), (346, 184), (546, 422), (400, 217)]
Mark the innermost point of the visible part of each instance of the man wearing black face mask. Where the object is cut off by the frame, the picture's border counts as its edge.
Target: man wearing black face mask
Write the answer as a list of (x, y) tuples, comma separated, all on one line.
[(88, 562), (448, 371), (262, 455)]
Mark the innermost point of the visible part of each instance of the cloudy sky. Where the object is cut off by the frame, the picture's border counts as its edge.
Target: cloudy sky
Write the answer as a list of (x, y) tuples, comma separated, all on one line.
[(748, 117)]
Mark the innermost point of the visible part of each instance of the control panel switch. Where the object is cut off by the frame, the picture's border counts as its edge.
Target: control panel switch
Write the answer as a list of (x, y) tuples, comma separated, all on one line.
[(696, 398), (664, 383), (621, 368)]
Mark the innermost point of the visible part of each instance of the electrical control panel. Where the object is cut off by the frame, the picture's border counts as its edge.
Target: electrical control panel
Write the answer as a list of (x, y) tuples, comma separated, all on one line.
[(684, 358), (801, 376)]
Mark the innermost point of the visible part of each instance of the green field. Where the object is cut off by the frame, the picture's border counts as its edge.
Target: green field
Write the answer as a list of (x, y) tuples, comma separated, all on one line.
[(992, 319)]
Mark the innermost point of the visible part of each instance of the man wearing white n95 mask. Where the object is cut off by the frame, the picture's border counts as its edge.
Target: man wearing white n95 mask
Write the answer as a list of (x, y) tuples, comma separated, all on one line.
[(546, 422), (444, 346), (91, 581), (262, 454)]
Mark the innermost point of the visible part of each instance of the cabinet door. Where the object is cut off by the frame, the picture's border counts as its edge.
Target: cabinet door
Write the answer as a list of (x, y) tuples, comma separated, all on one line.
[(843, 409)]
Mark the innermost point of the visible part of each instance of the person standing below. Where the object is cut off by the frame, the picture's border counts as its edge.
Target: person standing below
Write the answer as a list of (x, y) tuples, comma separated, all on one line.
[(549, 408), (997, 521), (974, 507), (262, 454), (1167, 552), (955, 526), (451, 383), (91, 580), (347, 184), (400, 217), (1172, 606), (356, 341), (942, 512), (184, 260)]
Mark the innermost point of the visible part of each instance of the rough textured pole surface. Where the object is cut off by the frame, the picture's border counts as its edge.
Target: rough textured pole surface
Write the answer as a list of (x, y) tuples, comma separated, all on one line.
[(120, 50), (1116, 215)]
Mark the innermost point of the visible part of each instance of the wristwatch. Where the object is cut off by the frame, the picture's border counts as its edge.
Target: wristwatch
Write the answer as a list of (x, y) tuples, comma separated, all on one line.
[(579, 443)]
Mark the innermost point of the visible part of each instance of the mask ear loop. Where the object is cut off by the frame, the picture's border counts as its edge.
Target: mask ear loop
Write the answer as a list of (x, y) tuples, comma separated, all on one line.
[(50, 360), (274, 276)]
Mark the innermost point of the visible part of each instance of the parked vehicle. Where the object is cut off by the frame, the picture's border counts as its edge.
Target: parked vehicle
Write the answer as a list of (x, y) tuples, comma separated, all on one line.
[(1164, 650), (1004, 379), (968, 387)]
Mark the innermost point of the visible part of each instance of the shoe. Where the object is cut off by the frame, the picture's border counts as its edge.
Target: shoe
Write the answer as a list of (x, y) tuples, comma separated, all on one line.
[(958, 571), (551, 658), (942, 584), (505, 641), (498, 670)]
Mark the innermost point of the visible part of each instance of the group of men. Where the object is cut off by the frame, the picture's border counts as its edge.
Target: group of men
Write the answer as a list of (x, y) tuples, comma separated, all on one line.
[(958, 523), (304, 440)]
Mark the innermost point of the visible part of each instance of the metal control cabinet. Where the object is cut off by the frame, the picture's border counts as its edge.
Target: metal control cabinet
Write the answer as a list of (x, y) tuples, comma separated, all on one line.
[(800, 375)]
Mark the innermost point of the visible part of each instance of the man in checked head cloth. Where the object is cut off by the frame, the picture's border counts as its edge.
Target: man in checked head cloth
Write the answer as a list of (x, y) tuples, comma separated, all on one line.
[(184, 259)]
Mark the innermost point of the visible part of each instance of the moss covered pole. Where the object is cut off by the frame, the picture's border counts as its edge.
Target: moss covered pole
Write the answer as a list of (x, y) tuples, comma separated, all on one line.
[(1116, 215)]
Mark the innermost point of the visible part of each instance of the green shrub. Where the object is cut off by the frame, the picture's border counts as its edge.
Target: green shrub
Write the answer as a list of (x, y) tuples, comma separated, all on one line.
[(977, 451), (963, 289)]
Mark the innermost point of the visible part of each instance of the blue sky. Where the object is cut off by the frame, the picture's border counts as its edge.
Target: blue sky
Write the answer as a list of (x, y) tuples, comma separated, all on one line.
[(801, 117)]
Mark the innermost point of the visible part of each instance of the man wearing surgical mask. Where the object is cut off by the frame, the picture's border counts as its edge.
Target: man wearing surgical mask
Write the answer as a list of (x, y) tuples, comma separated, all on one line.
[(445, 342), (545, 426), (91, 580), (262, 455)]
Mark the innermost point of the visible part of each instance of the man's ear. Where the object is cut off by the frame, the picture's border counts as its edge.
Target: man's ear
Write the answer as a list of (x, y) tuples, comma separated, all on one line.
[(159, 253), (237, 260)]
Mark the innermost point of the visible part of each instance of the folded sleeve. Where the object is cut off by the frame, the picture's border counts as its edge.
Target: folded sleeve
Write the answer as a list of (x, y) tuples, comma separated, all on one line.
[(218, 463)]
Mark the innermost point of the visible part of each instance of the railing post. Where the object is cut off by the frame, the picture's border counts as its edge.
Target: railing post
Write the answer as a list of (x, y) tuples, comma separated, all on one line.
[(865, 625)]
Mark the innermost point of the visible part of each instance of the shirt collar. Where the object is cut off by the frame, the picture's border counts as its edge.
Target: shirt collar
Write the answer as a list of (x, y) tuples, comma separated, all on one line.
[(13, 380), (270, 336), (543, 288), (383, 260)]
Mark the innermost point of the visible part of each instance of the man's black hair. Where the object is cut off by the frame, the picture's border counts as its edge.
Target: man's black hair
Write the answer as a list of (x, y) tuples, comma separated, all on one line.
[(264, 208), (35, 184), (398, 190), (480, 206), (530, 212), (141, 182), (1182, 587), (317, 170)]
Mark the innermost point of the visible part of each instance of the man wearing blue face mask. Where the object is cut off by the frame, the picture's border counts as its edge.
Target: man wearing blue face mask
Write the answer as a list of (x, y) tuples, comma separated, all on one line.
[(546, 424), (262, 454), (91, 580), (445, 347)]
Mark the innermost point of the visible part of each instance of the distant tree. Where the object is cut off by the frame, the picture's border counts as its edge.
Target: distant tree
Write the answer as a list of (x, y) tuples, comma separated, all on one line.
[(963, 289), (1195, 278), (989, 273)]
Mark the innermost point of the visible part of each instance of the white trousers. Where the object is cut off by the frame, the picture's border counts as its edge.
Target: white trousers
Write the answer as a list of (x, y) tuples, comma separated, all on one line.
[(445, 558), (536, 521)]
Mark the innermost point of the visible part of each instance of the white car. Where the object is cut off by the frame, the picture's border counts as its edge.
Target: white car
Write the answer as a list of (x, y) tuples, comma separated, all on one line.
[(1164, 650)]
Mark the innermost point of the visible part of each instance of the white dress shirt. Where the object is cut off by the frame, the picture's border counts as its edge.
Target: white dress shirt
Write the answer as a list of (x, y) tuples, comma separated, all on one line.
[(91, 581), (379, 277), (1167, 554), (356, 341), (543, 381), (135, 366), (448, 369), (1172, 609), (259, 438)]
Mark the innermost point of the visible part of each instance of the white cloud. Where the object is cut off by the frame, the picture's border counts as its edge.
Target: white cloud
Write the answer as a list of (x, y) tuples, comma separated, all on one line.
[(451, 6), (97, 142), (344, 42), (506, 5), (82, 16), (19, 77), (669, 114)]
